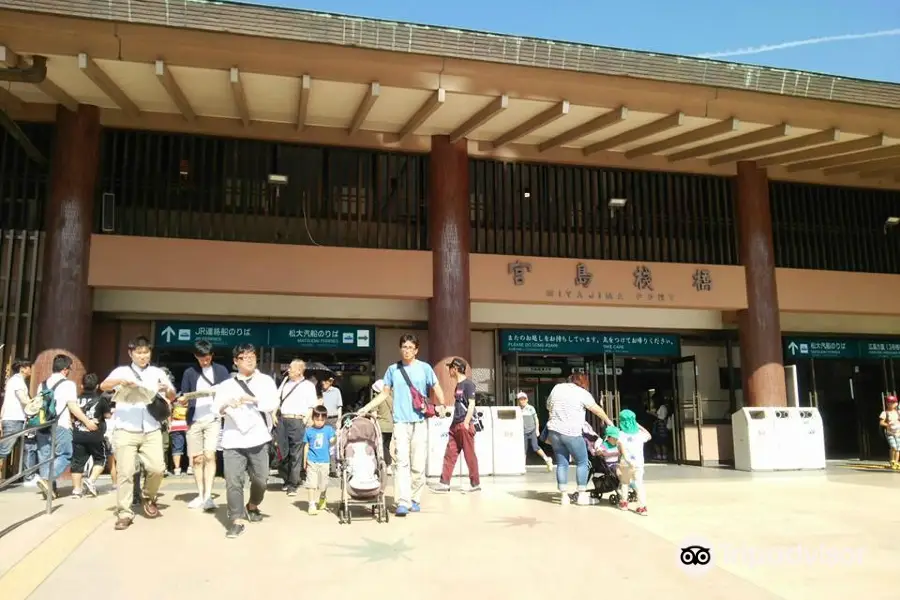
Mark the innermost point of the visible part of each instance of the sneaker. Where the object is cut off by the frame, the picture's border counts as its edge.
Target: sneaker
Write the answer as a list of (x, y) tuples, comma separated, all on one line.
[(77, 495), (31, 483), (623, 505), (322, 504), (416, 507), (44, 487), (564, 499), (285, 488), (190, 471), (91, 487), (254, 516), (440, 487), (312, 510), (235, 530), (196, 503), (584, 499), (292, 492), (209, 505), (472, 488), (642, 511), (402, 511)]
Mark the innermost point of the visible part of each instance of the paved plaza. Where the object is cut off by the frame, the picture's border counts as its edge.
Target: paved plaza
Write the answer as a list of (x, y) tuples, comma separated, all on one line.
[(791, 535)]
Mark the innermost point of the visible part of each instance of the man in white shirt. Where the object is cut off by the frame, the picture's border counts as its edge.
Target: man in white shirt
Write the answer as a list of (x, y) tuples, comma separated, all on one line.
[(204, 425), (12, 413), (137, 433), (64, 392), (297, 397), (246, 400)]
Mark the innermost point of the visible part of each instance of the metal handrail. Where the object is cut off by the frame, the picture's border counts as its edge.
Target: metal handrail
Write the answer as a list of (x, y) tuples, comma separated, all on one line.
[(52, 426)]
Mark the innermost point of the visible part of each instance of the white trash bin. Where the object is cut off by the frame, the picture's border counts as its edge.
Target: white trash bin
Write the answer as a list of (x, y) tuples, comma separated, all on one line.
[(509, 440), (755, 444)]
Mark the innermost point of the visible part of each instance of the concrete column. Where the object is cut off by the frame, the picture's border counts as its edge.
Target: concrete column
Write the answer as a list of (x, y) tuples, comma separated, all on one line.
[(449, 324), (762, 366), (64, 319)]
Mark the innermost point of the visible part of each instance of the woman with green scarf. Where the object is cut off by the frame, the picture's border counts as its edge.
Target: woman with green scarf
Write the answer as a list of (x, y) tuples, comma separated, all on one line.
[(632, 438)]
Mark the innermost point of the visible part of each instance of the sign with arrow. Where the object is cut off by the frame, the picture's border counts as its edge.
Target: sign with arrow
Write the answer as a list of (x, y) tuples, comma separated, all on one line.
[(841, 348), (183, 334)]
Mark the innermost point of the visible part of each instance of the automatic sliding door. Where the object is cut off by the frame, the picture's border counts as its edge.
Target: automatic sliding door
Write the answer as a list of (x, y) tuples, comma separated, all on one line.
[(687, 438)]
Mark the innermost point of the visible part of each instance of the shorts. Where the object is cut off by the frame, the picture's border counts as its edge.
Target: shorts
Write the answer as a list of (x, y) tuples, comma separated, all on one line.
[(203, 438), (893, 440), (531, 441), (317, 476), (81, 451), (177, 439)]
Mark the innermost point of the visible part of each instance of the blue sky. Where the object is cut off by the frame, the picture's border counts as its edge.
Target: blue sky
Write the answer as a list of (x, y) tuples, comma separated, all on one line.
[(688, 27)]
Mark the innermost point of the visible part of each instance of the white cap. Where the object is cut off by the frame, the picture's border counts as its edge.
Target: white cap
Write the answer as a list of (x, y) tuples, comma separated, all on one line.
[(521, 395), (378, 386)]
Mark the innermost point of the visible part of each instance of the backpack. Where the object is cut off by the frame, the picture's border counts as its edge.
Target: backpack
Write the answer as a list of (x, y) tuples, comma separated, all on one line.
[(46, 412)]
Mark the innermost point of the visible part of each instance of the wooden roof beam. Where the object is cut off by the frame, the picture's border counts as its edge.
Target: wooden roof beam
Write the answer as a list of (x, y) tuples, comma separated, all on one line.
[(546, 117), (494, 107), (813, 139), (754, 137), (365, 107), (866, 156), (239, 96), (428, 108), (605, 120), (638, 133), (107, 85), (857, 145), (303, 104), (53, 91), (865, 167), (165, 77), (688, 137)]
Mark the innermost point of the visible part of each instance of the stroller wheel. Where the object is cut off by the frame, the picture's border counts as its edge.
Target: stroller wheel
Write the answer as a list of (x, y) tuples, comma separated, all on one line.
[(613, 499)]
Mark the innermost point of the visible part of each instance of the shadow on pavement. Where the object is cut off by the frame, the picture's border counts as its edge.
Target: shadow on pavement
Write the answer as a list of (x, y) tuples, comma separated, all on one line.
[(12, 527)]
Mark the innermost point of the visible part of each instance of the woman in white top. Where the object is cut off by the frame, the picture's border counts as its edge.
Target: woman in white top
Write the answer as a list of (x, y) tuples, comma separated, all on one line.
[(566, 405), (890, 420)]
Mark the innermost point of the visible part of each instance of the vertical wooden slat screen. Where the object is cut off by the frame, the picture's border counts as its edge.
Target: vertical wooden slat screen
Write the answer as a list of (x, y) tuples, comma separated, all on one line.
[(24, 183), (562, 211), (835, 228), (20, 261), (202, 187)]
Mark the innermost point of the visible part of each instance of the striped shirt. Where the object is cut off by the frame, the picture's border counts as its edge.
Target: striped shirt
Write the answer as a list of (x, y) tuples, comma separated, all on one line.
[(566, 405)]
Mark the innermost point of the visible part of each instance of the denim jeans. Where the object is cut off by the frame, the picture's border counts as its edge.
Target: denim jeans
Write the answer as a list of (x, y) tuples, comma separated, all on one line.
[(31, 454), (9, 428), (63, 452), (563, 447)]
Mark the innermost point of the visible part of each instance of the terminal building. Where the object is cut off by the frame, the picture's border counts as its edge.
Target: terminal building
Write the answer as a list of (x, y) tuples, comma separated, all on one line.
[(705, 234)]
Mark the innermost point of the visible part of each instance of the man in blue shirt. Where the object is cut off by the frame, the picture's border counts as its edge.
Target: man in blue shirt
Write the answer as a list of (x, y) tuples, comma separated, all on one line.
[(410, 432)]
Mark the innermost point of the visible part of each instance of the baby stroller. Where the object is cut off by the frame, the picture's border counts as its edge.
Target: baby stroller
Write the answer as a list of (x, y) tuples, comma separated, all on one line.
[(602, 474), (363, 473)]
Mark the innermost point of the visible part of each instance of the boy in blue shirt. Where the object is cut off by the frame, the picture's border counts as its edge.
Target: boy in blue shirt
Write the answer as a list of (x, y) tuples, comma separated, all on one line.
[(317, 458)]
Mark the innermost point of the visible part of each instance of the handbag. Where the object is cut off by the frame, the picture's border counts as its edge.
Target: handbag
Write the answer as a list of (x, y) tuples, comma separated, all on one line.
[(159, 407), (420, 403)]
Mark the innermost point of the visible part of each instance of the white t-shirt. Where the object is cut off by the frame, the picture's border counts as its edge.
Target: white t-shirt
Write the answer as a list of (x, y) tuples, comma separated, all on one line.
[(297, 397), (203, 407), (134, 417), (893, 419), (633, 444), (64, 393), (246, 426), (12, 407), (333, 401), (567, 403)]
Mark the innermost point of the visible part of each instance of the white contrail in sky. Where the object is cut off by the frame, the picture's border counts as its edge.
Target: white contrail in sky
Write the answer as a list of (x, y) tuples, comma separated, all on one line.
[(807, 42)]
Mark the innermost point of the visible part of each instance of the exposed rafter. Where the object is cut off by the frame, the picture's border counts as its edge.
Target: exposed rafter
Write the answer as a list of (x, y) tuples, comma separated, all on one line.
[(754, 137), (303, 104), (813, 139), (11, 59), (605, 120), (428, 108), (484, 115), (638, 133), (365, 107), (846, 159), (857, 145), (688, 137), (239, 95), (531, 125), (107, 85), (865, 167), (164, 74)]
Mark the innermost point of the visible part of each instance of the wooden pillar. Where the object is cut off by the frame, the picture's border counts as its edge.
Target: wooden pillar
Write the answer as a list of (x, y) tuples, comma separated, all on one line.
[(449, 324), (762, 366), (64, 318)]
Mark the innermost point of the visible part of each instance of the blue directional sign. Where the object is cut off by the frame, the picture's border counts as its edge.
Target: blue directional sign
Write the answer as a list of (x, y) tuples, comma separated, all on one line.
[(219, 333), (321, 337), (841, 348), (590, 343)]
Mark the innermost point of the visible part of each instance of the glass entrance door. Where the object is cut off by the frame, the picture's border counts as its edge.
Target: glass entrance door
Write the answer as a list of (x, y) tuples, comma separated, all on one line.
[(872, 383), (687, 439), (604, 381)]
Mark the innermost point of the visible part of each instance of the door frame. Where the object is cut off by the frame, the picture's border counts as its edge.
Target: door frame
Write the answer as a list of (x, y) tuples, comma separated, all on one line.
[(678, 439)]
